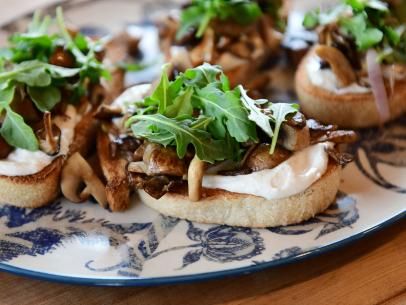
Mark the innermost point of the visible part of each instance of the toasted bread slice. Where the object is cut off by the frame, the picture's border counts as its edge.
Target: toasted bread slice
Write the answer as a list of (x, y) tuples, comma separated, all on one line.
[(41, 188), (349, 110), (32, 191), (234, 209), (115, 172)]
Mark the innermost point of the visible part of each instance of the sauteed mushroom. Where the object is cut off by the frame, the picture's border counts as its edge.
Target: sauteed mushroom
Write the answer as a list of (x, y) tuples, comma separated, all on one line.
[(5, 149), (294, 138), (158, 160), (49, 136), (107, 112), (195, 177), (338, 63), (76, 173)]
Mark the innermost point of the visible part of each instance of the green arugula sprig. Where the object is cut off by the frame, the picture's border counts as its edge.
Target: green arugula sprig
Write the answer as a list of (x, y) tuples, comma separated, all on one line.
[(25, 67), (369, 22), (200, 109), (200, 12)]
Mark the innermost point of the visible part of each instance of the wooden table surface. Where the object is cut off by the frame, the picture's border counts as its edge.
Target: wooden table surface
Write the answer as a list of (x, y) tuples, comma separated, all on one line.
[(369, 271)]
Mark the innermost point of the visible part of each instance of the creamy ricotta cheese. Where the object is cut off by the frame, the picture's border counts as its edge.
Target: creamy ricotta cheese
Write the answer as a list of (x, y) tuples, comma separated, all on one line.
[(291, 177), (326, 79)]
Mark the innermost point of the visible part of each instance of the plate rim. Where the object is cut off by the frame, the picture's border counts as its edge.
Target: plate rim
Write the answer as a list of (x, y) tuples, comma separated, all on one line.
[(198, 277)]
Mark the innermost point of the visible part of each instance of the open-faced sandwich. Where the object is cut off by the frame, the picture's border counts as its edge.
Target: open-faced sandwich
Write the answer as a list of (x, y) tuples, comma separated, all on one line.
[(240, 36), (198, 149), (356, 75), (49, 90)]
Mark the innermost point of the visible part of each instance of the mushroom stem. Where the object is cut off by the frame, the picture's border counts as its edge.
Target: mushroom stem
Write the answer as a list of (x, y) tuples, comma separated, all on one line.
[(76, 172), (50, 138), (195, 177)]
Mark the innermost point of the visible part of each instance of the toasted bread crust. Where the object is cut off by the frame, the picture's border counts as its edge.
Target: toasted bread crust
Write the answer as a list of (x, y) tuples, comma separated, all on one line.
[(350, 110), (39, 189), (32, 191), (223, 207)]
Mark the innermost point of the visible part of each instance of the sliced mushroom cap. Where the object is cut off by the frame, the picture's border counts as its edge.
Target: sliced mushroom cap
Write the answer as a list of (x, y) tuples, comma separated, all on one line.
[(62, 57), (338, 136), (76, 173), (107, 112), (340, 157), (49, 136), (180, 58), (5, 149), (231, 29), (271, 37), (294, 138), (204, 51), (163, 160), (260, 158), (339, 64)]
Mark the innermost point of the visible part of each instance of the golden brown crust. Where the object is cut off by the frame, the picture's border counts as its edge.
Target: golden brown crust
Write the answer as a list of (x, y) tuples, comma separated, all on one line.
[(32, 191), (39, 189), (350, 110), (114, 170), (223, 207)]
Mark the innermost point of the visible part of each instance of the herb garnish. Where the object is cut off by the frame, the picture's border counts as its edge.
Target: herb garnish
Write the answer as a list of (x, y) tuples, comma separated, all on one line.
[(199, 13), (199, 108), (25, 66), (369, 22)]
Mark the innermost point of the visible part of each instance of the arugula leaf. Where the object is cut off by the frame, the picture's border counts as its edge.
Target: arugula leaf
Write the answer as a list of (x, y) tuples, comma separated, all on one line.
[(6, 95), (365, 38), (311, 19), (207, 149), (61, 72), (205, 113), (255, 113), (182, 105), (45, 98), (230, 116), (17, 133), (160, 94), (280, 112), (203, 75), (199, 14)]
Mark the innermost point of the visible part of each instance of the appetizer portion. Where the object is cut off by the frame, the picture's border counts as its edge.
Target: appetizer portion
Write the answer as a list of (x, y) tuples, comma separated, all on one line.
[(356, 75), (240, 36), (49, 89), (199, 149)]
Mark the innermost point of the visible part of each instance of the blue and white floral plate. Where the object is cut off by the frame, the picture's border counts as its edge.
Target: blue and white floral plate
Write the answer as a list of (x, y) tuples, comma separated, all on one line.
[(85, 244)]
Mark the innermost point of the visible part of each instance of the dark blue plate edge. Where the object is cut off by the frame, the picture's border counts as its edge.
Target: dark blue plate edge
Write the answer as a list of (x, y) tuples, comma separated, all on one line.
[(200, 276)]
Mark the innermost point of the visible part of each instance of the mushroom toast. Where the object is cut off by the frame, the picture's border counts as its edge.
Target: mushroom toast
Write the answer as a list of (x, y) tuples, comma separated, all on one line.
[(241, 36), (49, 89), (195, 148), (356, 75)]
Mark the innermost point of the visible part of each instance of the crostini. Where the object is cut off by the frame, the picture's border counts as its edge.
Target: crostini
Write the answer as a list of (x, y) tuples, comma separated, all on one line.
[(49, 90), (198, 149), (356, 75), (241, 36)]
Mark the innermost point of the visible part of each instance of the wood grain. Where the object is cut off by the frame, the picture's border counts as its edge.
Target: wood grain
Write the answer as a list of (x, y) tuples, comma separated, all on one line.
[(370, 271)]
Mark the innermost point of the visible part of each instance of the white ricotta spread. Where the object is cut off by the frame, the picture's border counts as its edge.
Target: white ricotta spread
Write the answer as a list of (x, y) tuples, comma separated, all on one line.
[(291, 177), (133, 94), (21, 162), (326, 79)]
